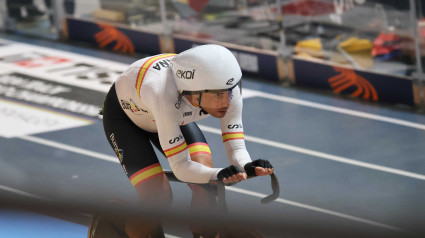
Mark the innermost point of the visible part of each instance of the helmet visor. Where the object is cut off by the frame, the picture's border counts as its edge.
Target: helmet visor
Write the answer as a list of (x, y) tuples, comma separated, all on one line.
[(216, 91), (215, 102)]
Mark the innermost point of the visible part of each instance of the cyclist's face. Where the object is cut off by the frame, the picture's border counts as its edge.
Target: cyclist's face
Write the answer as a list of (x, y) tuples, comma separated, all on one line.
[(216, 103)]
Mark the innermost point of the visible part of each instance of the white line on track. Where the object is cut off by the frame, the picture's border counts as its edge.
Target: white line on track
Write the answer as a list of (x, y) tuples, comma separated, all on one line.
[(70, 148), (213, 130), (12, 190), (317, 209), (321, 155), (253, 93)]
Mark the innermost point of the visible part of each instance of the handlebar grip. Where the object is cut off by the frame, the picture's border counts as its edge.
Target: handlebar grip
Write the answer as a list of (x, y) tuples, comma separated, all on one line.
[(275, 189)]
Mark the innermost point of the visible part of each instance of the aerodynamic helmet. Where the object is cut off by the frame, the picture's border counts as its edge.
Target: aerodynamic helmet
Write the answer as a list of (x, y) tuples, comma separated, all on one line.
[(206, 68)]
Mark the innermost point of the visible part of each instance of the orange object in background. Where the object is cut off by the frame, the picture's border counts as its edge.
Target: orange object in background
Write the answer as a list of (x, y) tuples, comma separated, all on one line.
[(386, 43), (110, 34), (347, 78)]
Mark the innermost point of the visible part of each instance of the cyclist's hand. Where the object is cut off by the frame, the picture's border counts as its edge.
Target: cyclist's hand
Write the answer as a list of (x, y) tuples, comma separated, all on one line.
[(259, 167), (231, 174)]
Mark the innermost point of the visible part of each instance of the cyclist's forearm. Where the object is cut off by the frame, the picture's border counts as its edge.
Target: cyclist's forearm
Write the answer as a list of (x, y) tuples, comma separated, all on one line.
[(192, 172), (237, 154)]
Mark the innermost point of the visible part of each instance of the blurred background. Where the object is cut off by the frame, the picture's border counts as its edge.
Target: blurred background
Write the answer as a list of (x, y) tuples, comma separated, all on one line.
[(342, 81), (374, 36)]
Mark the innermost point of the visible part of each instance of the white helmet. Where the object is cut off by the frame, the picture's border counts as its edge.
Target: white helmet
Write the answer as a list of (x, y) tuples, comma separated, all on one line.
[(206, 67)]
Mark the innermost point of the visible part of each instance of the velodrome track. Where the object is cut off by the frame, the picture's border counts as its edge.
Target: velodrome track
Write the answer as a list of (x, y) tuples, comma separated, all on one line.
[(339, 161)]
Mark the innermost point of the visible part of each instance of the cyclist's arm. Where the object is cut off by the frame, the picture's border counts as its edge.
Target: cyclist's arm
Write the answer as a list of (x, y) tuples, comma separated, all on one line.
[(233, 133), (174, 144), (178, 154)]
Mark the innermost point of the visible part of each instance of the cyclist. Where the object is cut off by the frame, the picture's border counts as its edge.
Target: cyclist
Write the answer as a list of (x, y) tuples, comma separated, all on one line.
[(158, 99)]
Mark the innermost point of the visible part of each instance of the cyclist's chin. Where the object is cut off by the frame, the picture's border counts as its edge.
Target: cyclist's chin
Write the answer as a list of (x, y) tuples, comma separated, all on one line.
[(218, 113)]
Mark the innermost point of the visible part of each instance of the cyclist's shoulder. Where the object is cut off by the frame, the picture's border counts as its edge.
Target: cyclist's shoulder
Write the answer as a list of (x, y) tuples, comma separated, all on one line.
[(154, 62), (159, 91), (152, 68)]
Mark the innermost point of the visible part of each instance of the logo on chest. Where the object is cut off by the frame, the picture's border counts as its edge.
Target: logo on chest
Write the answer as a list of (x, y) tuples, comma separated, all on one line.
[(187, 114), (126, 105)]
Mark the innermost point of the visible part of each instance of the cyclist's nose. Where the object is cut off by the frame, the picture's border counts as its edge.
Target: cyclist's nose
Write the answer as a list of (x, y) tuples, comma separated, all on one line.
[(225, 102)]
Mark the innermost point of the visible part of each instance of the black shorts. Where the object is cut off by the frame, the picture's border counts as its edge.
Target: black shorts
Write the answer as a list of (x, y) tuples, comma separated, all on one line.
[(132, 145)]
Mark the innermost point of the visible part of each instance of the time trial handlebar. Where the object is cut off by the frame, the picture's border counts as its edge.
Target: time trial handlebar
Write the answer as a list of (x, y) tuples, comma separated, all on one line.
[(219, 186)]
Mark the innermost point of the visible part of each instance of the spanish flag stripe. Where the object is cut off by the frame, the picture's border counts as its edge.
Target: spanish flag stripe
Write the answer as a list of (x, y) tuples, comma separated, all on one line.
[(145, 173), (200, 152), (201, 147), (145, 67), (197, 143), (146, 179), (233, 136), (144, 169), (183, 143), (176, 150), (233, 139)]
